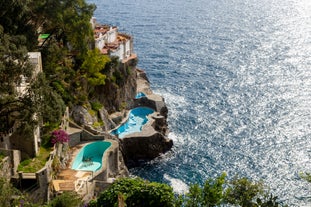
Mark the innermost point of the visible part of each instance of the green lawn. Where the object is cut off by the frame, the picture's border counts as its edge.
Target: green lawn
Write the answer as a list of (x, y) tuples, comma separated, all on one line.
[(36, 163)]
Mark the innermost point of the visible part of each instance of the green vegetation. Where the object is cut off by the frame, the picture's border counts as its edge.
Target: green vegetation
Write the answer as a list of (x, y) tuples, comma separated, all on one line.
[(136, 192), (96, 106), (12, 197), (98, 124), (35, 164), (215, 192), (67, 199), (92, 66), (1, 156), (306, 176)]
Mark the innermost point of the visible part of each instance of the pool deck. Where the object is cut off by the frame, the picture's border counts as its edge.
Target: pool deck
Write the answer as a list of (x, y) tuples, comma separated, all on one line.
[(66, 179)]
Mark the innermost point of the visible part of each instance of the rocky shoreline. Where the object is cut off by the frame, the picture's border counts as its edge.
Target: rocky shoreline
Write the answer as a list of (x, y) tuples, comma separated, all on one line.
[(152, 141)]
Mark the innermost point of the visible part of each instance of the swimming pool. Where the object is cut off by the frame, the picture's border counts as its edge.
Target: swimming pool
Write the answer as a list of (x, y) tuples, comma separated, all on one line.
[(137, 118), (140, 95), (90, 156)]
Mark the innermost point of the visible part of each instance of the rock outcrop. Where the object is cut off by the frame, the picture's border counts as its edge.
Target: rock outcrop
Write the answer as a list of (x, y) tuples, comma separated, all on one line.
[(152, 141), (148, 144)]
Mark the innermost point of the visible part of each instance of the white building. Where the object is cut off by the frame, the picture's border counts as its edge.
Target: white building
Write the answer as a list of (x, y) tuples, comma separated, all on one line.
[(109, 41)]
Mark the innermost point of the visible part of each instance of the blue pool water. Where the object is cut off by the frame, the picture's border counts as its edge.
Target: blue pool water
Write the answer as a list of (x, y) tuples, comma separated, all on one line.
[(137, 118), (140, 95), (90, 156)]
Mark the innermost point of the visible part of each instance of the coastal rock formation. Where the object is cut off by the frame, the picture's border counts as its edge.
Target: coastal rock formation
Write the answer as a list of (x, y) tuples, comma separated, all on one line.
[(152, 141), (148, 144)]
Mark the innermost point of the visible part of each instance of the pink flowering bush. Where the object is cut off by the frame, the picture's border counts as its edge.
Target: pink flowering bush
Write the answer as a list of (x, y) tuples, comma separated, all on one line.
[(59, 136)]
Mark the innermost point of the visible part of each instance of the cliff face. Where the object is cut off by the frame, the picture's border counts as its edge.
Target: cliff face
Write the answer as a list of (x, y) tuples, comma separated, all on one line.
[(119, 91)]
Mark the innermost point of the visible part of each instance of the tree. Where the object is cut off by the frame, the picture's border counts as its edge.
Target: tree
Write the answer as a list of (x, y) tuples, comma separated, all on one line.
[(17, 19), (213, 191), (92, 66), (49, 106), (194, 197), (136, 192), (237, 192), (11, 197), (14, 66), (243, 192), (68, 21), (67, 199)]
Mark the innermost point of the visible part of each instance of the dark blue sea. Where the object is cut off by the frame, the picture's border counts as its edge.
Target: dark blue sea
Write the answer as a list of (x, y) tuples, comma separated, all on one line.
[(236, 77)]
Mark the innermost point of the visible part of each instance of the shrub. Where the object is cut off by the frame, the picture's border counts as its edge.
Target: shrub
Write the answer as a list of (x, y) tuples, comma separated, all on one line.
[(59, 136), (67, 199), (137, 192), (96, 106)]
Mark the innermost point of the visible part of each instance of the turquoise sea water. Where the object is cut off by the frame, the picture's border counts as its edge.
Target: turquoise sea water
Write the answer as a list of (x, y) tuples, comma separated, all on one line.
[(236, 76)]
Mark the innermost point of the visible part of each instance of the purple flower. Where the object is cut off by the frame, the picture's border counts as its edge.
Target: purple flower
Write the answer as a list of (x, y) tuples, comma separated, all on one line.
[(59, 136)]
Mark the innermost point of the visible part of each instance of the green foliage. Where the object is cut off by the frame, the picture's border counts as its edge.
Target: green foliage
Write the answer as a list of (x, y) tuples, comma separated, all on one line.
[(237, 192), (67, 21), (213, 191), (210, 195), (13, 65), (2, 156), (194, 197), (17, 19), (306, 176), (7, 193), (35, 164), (56, 164), (98, 124), (137, 192), (92, 112), (12, 197), (117, 77), (244, 192), (96, 106), (268, 201), (61, 89), (123, 106), (67, 199), (92, 66), (51, 106)]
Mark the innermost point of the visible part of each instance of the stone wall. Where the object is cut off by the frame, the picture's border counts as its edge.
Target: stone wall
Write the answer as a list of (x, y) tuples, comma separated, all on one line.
[(5, 168), (40, 194), (12, 161), (74, 139), (87, 136), (154, 102), (24, 143)]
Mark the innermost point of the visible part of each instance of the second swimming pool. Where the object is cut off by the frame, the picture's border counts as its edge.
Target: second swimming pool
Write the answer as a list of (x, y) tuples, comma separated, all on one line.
[(137, 118)]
